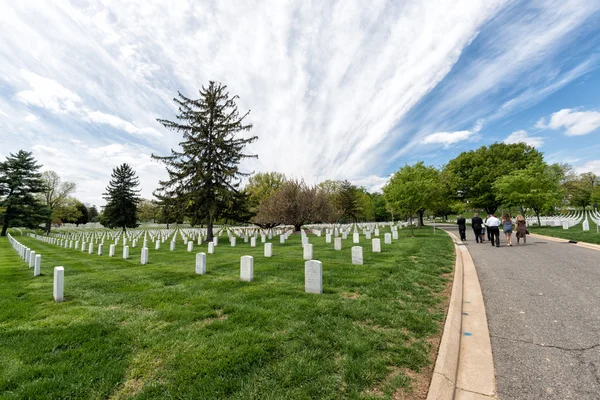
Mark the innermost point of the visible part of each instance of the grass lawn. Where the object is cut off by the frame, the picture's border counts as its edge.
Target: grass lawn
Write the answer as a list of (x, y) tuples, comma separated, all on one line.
[(574, 233), (159, 331)]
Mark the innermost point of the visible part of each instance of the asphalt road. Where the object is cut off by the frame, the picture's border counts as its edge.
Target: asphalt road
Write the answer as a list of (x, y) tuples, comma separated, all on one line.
[(543, 308)]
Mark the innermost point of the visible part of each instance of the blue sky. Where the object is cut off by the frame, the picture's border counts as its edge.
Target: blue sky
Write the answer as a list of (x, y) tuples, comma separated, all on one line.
[(338, 90)]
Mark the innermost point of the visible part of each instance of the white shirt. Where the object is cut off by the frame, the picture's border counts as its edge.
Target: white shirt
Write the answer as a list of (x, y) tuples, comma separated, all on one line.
[(492, 221)]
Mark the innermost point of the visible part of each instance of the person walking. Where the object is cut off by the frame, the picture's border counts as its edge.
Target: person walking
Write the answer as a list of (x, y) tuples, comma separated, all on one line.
[(507, 227), (462, 227), (493, 226), (477, 224), (521, 229), (486, 225)]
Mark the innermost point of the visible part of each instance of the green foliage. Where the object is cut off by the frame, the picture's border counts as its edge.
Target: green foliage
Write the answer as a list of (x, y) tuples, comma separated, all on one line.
[(261, 186), (148, 210), (68, 212), (121, 199), (93, 214), (581, 189), (536, 187), (20, 187), (380, 210), (474, 172), (411, 188), (349, 202), (55, 196), (205, 175)]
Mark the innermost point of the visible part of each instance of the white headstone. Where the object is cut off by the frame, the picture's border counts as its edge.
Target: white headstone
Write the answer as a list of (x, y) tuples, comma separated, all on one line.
[(37, 265), (387, 238), (313, 276), (91, 248), (82, 246), (200, 263), (126, 252), (263, 238), (31, 259), (252, 241), (304, 240), (282, 239), (247, 268), (376, 244), (395, 234), (172, 245), (144, 256), (211, 247), (111, 250), (59, 283), (565, 225), (190, 246), (355, 238), (586, 225), (268, 249), (368, 235), (308, 251), (376, 233), (328, 238), (232, 241), (357, 255), (337, 243), (216, 240), (27, 253), (157, 245), (100, 249)]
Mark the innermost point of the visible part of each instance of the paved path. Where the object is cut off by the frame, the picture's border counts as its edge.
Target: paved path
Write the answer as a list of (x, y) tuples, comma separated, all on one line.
[(543, 309)]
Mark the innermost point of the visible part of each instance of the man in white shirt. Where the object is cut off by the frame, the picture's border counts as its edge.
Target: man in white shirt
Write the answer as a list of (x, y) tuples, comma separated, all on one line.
[(493, 225)]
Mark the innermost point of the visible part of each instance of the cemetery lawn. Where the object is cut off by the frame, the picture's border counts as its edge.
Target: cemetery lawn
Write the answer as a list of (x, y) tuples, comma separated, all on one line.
[(159, 331), (574, 233)]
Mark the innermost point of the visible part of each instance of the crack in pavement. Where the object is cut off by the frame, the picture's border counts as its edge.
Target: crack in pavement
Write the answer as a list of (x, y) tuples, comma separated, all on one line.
[(548, 345)]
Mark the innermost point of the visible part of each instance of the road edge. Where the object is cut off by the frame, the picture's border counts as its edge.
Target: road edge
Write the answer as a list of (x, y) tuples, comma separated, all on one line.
[(586, 245), (464, 367)]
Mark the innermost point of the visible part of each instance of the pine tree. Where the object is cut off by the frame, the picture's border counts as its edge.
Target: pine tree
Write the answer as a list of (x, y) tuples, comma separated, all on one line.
[(20, 182), (121, 199), (348, 201), (205, 175)]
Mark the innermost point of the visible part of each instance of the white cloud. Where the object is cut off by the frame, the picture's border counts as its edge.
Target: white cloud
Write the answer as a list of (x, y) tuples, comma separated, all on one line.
[(373, 183), (590, 166), (447, 138), (523, 136), (575, 123), (119, 123), (47, 93), (31, 118)]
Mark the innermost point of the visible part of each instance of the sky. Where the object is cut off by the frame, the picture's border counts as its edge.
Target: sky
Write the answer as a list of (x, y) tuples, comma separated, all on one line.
[(336, 89)]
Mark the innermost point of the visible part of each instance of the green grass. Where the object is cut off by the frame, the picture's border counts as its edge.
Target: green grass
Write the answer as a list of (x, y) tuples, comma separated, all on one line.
[(573, 233), (159, 331)]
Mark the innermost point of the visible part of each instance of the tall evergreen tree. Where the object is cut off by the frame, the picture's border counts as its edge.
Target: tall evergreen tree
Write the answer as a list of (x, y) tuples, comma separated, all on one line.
[(121, 199), (348, 201), (205, 175), (20, 183)]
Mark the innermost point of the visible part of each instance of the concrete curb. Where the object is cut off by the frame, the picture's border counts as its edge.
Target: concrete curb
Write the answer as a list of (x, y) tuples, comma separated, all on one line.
[(561, 240), (464, 368)]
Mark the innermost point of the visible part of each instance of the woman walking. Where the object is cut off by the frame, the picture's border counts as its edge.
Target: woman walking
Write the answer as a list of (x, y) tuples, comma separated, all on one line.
[(521, 229), (507, 224)]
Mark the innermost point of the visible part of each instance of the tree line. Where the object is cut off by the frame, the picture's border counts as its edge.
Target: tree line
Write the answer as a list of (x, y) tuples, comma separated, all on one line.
[(204, 183)]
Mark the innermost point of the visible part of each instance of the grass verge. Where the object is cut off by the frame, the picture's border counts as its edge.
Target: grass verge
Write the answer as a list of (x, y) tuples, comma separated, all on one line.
[(155, 331), (574, 233)]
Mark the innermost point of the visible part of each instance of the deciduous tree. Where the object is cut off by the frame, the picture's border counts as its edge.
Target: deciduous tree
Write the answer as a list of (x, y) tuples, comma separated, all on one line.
[(55, 194)]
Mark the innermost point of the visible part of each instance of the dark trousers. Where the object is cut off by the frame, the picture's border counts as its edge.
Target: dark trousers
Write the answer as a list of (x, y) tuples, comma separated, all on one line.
[(477, 233), (494, 233), (463, 232)]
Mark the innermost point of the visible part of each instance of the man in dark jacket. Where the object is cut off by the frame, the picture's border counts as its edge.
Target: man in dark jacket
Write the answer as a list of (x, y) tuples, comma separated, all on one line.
[(462, 227), (476, 224)]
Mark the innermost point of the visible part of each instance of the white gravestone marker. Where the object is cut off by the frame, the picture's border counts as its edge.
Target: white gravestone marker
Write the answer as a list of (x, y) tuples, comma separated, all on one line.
[(387, 238), (144, 256), (232, 241), (328, 238), (172, 246), (211, 248), (252, 241), (586, 225), (190, 246), (357, 255), (157, 245), (376, 233), (59, 283), (337, 243), (376, 243), (313, 276), (38, 264), (111, 250), (368, 235), (247, 268), (308, 251), (31, 259), (268, 249), (100, 249), (282, 239), (91, 248), (355, 238), (126, 252), (395, 234), (200, 263)]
